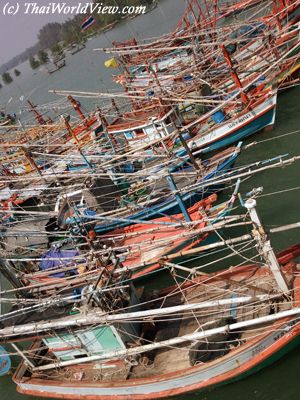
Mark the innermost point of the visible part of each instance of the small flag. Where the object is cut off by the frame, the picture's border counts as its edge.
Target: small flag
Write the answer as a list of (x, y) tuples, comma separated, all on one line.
[(111, 63), (87, 22)]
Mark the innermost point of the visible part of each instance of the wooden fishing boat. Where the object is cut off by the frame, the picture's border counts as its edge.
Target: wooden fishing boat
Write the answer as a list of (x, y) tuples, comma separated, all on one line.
[(139, 246), (145, 125), (5, 122), (207, 329), (203, 332), (76, 47), (169, 67), (30, 239), (227, 121), (223, 119), (259, 115), (59, 138), (56, 66), (147, 208)]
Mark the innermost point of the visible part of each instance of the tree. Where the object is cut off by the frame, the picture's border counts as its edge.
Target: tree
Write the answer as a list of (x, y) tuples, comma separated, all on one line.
[(43, 57), (0, 86), (33, 62), (70, 30), (17, 72), (57, 49), (7, 78), (49, 35)]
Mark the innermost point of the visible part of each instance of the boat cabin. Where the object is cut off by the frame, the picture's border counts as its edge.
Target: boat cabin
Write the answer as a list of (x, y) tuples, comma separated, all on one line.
[(71, 346), (145, 125), (87, 202)]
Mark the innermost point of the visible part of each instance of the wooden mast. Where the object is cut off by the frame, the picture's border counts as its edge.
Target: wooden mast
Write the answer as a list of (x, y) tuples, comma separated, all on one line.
[(234, 75), (76, 107), (276, 9), (27, 153), (70, 130), (39, 118), (178, 197)]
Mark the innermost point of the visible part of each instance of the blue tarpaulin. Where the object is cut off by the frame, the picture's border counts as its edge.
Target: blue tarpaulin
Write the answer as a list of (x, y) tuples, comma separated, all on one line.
[(56, 258)]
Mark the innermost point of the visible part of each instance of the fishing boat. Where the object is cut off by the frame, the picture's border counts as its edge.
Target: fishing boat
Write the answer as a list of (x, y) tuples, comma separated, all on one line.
[(123, 194), (136, 249), (56, 66), (142, 203), (6, 119), (259, 115), (248, 106), (144, 125), (76, 47), (139, 246), (201, 332), (174, 63)]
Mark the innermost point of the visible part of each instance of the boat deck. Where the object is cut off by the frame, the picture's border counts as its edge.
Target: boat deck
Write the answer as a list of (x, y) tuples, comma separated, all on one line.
[(180, 357)]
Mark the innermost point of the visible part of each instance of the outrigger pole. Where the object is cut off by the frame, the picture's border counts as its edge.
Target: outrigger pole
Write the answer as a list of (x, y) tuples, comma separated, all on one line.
[(177, 340), (265, 246)]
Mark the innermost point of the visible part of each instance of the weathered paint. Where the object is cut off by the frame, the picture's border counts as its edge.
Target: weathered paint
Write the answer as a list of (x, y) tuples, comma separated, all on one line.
[(240, 362), (96, 341), (238, 129), (170, 206)]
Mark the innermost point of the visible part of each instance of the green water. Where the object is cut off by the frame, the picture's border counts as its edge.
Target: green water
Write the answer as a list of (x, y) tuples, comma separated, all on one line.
[(85, 71)]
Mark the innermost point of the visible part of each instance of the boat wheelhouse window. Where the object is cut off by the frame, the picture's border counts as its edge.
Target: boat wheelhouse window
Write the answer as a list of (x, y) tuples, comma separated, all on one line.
[(78, 344), (168, 120), (99, 129), (188, 108), (129, 134), (231, 48), (139, 132), (150, 130)]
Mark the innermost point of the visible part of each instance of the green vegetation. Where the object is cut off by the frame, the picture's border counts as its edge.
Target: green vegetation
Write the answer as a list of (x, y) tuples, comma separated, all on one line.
[(69, 32), (17, 72), (57, 50), (6, 77), (43, 57), (49, 35), (33, 62)]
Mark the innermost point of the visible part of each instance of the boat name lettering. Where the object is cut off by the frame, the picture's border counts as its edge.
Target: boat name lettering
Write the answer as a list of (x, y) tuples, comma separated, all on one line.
[(240, 120), (279, 335), (258, 349)]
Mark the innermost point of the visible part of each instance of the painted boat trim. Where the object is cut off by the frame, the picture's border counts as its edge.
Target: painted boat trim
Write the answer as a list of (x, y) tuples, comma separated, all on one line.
[(195, 378), (228, 129)]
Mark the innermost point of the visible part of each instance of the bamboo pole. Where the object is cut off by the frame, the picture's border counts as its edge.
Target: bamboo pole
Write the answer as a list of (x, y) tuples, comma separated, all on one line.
[(285, 227), (201, 249), (98, 317), (175, 341), (27, 361)]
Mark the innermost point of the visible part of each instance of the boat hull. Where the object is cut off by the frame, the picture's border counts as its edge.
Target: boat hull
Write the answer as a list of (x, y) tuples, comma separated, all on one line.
[(170, 206), (259, 351), (239, 365), (245, 125)]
